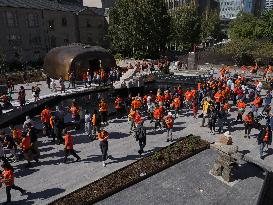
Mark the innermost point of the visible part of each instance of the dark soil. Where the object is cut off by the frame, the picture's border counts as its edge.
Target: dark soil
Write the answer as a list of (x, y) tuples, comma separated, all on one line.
[(135, 172)]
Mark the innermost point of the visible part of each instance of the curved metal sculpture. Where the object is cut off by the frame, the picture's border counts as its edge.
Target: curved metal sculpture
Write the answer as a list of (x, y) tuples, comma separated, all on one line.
[(60, 61)]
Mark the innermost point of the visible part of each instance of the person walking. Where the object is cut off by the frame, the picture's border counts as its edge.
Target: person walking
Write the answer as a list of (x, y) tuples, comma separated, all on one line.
[(241, 109), (212, 119), (103, 109), (7, 177), (48, 81), (34, 142), (45, 118), (68, 146), (140, 134), (26, 148), (248, 122), (87, 123), (169, 121), (119, 106), (96, 123), (157, 117), (75, 115), (176, 105), (103, 137), (10, 144), (264, 138)]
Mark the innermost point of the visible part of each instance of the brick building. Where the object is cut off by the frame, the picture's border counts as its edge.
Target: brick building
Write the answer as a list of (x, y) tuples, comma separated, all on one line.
[(30, 28)]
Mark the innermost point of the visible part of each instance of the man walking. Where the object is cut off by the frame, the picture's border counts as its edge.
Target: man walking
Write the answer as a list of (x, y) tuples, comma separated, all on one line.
[(140, 133), (68, 146), (103, 137)]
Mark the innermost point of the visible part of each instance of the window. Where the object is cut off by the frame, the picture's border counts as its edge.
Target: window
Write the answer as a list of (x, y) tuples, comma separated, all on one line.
[(88, 24), (35, 40), (32, 20), (66, 41), (14, 40), (64, 21), (11, 19), (53, 41), (51, 24)]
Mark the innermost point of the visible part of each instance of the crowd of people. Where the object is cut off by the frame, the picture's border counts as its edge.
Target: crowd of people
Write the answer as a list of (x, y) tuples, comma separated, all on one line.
[(211, 101)]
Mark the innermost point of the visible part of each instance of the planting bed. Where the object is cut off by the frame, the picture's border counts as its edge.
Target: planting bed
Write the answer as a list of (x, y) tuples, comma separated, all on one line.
[(135, 172)]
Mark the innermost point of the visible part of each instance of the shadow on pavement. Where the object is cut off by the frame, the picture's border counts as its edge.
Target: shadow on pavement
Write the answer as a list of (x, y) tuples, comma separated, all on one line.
[(39, 195)]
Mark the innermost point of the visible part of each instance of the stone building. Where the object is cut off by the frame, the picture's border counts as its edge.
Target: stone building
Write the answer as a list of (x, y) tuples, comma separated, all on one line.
[(30, 28)]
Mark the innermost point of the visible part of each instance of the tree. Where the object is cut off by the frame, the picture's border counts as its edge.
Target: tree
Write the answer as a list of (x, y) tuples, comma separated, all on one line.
[(211, 25), (246, 26), (185, 27), (139, 26)]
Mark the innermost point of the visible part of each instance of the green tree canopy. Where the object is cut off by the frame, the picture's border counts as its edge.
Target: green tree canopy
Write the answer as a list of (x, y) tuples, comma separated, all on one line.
[(185, 27), (140, 26), (211, 25), (246, 26)]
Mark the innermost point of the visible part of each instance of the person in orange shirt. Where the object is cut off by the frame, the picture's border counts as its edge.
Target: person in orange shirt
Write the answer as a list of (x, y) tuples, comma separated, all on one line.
[(75, 114), (169, 121), (167, 99), (157, 117), (249, 121), (7, 177), (103, 137), (103, 109), (241, 109), (136, 104), (188, 99), (119, 106), (137, 118), (176, 105), (218, 99), (68, 146), (256, 104), (26, 147), (131, 118), (85, 79), (45, 118)]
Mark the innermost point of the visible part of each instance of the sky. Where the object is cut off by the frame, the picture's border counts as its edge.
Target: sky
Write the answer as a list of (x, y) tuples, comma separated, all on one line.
[(92, 3)]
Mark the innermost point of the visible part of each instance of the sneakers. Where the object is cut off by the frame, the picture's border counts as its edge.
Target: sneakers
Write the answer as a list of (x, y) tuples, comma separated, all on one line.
[(167, 140), (79, 159), (103, 164)]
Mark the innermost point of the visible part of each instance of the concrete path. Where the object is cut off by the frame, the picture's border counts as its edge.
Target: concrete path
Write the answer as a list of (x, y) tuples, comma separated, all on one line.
[(50, 180), (189, 184)]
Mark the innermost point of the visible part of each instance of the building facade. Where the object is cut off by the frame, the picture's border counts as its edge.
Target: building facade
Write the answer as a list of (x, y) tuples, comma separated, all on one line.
[(229, 9), (267, 5), (29, 31)]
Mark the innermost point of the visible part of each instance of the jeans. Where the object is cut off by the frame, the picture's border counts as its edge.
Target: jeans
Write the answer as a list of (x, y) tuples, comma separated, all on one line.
[(212, 124), (157, 123), (104, 150), (248, 128), (262, 146), (70, 151), (142, 144), (8, 188), (87, 128), (170, 133), (104, 117)]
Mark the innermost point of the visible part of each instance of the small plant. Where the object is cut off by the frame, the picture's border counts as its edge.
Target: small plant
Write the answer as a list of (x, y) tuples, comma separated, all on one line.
[(177, 146), (192, 141), (157, 156)]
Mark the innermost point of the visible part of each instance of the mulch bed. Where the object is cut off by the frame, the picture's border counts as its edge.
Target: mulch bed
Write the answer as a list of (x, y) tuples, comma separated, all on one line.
[(135, 172)]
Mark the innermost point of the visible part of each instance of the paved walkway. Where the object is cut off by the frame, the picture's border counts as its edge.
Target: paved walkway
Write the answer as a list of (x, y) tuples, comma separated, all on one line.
[(188, 184), (50, 180)]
